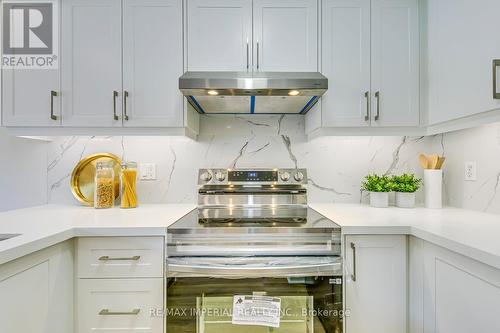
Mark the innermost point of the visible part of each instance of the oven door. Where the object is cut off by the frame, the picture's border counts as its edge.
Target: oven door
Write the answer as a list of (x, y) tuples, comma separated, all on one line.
[(201, 293)]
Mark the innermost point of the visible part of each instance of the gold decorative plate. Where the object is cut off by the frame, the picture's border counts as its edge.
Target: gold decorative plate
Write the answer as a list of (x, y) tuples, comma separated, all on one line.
[(82, 178)]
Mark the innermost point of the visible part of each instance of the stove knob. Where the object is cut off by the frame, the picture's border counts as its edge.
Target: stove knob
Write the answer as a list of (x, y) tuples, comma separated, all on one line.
[(206, 176), (220, 176), (299, 176), (285, 176)]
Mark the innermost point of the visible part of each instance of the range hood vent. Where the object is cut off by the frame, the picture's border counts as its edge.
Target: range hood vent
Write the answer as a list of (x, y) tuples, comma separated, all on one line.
[(253, 93)]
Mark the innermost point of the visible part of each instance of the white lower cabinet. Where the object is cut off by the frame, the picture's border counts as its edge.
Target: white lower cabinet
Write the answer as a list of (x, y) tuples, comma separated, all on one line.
[(120, 284), (460, 295), (376, 284), (36, 292), (120, 305)]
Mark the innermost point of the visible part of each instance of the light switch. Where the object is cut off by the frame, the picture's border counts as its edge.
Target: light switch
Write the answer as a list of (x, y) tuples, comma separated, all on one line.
[(147, 171)]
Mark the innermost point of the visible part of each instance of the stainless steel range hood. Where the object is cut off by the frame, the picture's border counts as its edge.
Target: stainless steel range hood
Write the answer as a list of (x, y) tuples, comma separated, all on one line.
[(253, 93)]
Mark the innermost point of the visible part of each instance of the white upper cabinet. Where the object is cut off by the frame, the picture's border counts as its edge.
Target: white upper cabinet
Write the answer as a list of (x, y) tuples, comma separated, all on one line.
[(285, 35), (30, 96), (375, 291), (152, 63), (263, 35), (462, 43), (91, 63), (219, 35), (346, 62), (370, 54), (395, 63)]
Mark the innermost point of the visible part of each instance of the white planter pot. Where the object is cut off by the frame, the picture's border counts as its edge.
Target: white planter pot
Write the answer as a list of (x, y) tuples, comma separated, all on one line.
[(379, 199), (405, 200), (433, 188)]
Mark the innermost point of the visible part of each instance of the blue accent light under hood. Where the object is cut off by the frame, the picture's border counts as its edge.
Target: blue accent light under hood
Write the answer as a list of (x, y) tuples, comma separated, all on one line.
[(253, 93)]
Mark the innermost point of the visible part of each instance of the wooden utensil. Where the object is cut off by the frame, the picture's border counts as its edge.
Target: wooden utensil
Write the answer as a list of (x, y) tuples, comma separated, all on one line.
[(424, 163), (440, 162), (433, 161)]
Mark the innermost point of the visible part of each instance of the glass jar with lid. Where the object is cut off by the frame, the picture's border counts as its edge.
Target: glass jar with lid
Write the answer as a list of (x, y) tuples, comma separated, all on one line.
[(128, 185), (104, 190)]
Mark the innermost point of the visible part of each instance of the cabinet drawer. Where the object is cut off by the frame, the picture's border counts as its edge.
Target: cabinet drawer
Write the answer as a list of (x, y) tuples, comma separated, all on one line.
[(120, 305), (120, 257)]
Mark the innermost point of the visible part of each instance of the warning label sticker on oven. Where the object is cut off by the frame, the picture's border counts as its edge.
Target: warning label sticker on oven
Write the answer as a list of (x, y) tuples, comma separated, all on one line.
[(256, 310)]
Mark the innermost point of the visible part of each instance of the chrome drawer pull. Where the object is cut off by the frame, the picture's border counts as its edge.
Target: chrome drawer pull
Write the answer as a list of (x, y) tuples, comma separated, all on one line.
[(258, 54), (496, 94), (107, 258), (353, 275), (52, 95), (125, 95), (115, 95), (248, 56), (367, 115), (106, 312), (377, 96)]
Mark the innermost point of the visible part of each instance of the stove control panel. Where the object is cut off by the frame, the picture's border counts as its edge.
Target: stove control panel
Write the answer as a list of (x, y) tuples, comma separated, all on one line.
[(251, 176)]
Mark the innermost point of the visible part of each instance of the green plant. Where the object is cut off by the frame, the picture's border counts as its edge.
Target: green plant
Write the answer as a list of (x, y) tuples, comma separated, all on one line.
[(376, 183), (407, 183)]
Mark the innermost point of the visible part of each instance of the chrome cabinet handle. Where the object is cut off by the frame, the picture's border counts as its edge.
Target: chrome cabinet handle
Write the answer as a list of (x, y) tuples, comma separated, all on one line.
[(353, 275), (106, 312), (108, 258), (496, 94), (248, 56), (367, 115), (125, 95), (115, 95), (53, 94), (377, 96), (257, 54)]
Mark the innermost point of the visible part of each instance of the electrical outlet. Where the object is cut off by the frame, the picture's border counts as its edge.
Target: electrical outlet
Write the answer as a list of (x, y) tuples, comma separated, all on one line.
[(147, 171), (470, 171)]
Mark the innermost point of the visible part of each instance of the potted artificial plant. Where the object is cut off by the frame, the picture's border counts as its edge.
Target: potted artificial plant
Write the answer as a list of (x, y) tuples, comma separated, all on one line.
[(405, 187), (379, 188)]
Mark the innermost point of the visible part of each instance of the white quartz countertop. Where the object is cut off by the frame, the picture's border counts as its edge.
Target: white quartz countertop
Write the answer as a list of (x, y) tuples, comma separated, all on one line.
[(43, 226), (470, 233)]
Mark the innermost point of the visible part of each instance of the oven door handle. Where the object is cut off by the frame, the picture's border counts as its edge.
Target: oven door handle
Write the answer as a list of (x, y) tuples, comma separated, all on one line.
[(237, 271)]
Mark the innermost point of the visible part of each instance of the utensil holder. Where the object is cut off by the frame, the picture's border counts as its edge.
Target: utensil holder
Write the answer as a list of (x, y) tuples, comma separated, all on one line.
[(433, 188)]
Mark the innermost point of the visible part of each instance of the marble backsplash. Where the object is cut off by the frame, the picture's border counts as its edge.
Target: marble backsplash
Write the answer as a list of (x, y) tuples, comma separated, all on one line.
[(480, 145), (336, 165)]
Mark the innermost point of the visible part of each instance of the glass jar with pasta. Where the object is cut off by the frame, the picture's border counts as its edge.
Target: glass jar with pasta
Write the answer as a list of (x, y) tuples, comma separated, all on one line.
[(104, 190), (128, 185)]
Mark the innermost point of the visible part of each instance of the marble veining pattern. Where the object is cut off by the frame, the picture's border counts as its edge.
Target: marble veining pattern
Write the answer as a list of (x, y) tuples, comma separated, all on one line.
[(482, 145), (336, 165)]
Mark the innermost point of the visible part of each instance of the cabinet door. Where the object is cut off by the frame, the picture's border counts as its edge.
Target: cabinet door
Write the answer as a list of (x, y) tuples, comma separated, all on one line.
[(91, 66), (152, 63), (462, 42), (37, 292), (395, 63), (460, 294), (219, 35), (376, 297), (285, 35), (27, 94), (346, 62)]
